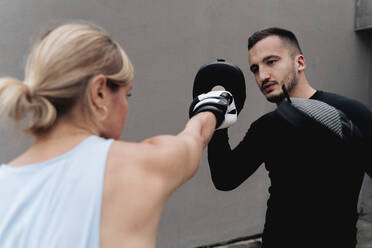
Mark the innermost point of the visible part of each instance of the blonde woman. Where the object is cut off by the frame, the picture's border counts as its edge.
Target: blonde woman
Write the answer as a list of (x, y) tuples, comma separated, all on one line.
[(77, 185)]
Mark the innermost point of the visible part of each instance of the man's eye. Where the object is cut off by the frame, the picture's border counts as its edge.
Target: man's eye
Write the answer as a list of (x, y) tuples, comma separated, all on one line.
[(270, 62), (129, 94)]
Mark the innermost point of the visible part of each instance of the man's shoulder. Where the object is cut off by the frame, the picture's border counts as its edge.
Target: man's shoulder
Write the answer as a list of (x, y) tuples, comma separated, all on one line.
[(336, 100), (358, 112), (346, 104)]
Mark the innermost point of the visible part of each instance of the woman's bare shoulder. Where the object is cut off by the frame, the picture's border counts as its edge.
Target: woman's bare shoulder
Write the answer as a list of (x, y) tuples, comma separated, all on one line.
[(163, 160)]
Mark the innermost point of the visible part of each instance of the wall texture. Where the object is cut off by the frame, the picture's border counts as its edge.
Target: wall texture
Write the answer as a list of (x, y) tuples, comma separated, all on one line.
[(168, 40), (363, 17)]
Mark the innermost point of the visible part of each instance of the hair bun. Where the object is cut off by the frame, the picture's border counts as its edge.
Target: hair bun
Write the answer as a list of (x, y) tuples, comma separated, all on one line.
[(17, 100)]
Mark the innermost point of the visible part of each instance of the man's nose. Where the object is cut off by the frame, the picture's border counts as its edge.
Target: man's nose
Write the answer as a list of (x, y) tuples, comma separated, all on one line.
[(264, 76)]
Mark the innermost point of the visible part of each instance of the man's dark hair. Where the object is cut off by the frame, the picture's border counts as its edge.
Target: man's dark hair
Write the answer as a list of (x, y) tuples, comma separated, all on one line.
[(284, 34)]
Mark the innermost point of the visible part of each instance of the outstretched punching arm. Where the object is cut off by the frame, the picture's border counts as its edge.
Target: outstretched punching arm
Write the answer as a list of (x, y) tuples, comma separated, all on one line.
[(175, 158)]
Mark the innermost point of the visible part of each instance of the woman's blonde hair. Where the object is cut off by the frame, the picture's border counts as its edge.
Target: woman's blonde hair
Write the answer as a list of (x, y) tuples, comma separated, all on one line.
[(58, 72)]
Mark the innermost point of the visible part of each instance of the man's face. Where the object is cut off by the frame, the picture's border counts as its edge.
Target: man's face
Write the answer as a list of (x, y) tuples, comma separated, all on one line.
[(273, 66)]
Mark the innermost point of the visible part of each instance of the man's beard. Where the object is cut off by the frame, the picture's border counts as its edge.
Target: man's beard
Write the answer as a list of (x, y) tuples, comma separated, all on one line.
[(292, 82)]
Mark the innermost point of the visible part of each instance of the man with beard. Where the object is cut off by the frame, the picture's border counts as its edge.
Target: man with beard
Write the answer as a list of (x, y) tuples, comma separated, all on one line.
[(315, 179)]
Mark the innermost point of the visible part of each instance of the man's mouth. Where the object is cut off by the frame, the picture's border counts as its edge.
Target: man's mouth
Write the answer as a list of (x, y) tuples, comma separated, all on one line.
[(267, 87)]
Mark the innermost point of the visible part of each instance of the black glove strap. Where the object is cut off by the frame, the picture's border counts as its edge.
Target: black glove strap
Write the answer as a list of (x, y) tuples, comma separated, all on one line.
[(218, 113)]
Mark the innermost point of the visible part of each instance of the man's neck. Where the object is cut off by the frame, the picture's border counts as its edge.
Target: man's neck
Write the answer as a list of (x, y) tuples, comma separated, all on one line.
[(302, 90)]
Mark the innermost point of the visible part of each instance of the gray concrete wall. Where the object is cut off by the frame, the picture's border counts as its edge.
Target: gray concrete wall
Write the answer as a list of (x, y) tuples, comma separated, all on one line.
[(168, 40)]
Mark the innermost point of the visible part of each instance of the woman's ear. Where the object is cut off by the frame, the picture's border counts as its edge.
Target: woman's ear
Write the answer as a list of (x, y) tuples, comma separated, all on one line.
[(300, 63), (98, 91)]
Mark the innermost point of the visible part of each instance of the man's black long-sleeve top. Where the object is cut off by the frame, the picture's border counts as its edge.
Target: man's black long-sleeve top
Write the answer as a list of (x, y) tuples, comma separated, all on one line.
[(315, 178)]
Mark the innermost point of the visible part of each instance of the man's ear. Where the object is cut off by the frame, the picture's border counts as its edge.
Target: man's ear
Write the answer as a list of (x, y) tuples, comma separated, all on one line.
[(300, 63), (98, 91)]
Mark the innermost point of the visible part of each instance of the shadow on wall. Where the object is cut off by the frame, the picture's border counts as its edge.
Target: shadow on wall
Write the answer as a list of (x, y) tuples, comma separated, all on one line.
[(365, 37)]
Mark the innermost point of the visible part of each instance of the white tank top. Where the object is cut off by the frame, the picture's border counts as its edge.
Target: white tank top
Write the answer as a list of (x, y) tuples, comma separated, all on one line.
[(56, 203)]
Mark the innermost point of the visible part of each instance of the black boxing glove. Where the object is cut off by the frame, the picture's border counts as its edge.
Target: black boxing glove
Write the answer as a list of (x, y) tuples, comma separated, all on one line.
[(220, 103)]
